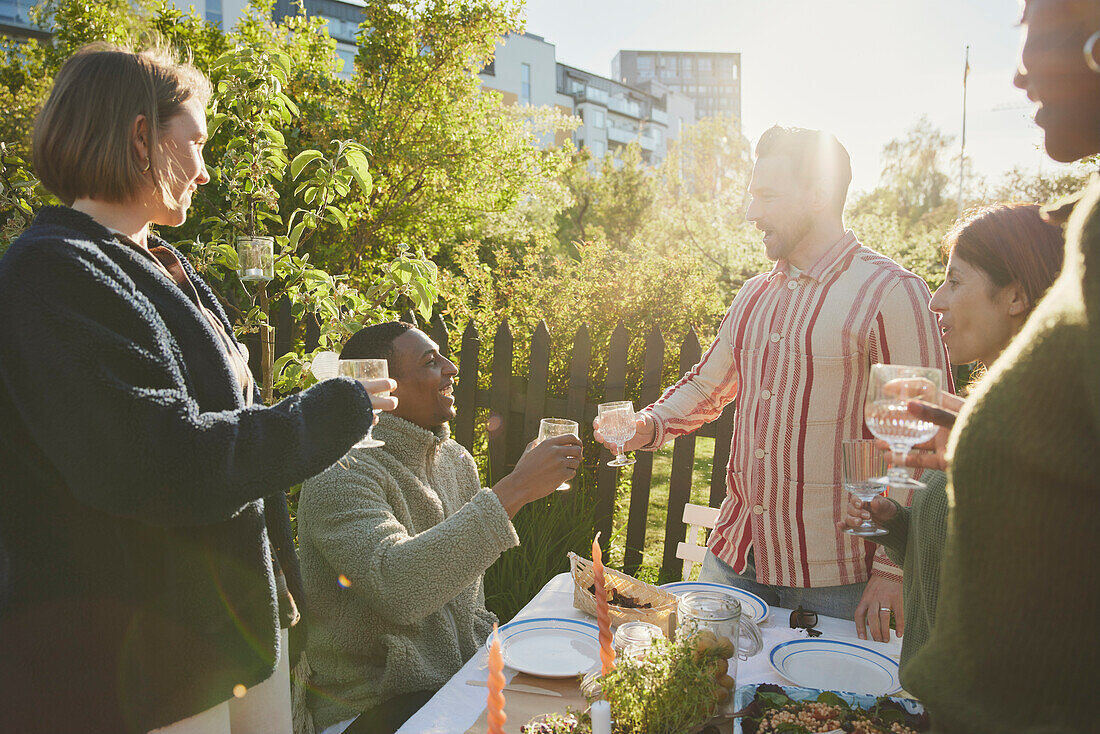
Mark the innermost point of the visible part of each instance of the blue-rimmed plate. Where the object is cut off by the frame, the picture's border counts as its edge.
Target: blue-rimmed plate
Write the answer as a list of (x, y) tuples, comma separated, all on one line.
[(751, 605), (836, 665), (551, 647)]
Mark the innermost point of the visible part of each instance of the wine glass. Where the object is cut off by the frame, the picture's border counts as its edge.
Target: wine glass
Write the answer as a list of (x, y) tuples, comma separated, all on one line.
[(550, 427), (617, 426), (887, 413), (365, 369), (863, 462)]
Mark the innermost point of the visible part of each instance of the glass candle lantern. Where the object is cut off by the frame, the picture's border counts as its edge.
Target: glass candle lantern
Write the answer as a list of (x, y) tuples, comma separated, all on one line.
[(256, 258)]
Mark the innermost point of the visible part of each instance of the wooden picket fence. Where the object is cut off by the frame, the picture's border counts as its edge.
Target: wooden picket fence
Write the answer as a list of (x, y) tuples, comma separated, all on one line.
[(516, 404)]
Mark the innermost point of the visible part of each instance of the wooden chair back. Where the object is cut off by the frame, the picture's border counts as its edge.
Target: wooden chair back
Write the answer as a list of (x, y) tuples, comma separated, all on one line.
[(696, 517)]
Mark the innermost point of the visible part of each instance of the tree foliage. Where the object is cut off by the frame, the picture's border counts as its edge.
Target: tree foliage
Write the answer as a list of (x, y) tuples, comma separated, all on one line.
[(915, 179), (444, 152)]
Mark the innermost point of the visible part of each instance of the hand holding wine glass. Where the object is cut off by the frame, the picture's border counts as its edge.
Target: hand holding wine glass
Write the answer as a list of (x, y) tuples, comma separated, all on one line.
[(943, 415), (617, 424), (644, 431), (373, 374), (886, 410), (877, 510), (863, 461)]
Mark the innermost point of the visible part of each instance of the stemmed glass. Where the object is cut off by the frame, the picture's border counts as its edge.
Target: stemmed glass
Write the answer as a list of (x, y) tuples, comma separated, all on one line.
[(617, 426), (863, 461), (886, 410), (550, 427), (365, 369)]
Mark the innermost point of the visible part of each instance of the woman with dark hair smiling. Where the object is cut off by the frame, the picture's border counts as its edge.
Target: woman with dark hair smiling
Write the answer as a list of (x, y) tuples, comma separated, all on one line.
[(144, 558), (1015, 647), (1001, 261)]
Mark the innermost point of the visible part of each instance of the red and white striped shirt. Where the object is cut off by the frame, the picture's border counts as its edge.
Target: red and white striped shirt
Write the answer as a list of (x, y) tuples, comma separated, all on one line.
[(796, 352)]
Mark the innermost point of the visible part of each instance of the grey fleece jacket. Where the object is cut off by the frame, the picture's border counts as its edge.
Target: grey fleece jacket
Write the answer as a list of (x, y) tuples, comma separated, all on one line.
[(394, 542)]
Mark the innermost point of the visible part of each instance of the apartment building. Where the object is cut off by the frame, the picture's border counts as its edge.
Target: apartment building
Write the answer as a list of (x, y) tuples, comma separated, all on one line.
[(525, 71), (711, 79), (15, 20), (342, 16)]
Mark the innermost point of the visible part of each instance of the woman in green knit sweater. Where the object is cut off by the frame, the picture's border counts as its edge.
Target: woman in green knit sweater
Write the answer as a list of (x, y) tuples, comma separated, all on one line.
[(1015, 648), (1001, 260)]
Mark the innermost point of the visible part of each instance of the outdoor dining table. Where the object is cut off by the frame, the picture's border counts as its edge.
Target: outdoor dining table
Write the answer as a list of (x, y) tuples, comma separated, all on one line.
[(458, 705)]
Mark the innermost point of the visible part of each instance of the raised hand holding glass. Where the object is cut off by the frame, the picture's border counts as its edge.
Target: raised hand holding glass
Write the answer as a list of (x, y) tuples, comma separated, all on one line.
[(365, 369), (617, 424), (886, 410), (550, 427)]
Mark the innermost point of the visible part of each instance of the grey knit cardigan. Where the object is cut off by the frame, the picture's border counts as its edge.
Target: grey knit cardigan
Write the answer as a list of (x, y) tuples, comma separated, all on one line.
[(394, 542)]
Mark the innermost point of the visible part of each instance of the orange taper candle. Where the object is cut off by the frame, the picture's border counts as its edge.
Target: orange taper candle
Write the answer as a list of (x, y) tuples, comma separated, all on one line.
[(603, 614), (495, 703)]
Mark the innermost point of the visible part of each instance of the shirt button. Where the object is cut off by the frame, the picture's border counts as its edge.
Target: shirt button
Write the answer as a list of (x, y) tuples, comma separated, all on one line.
[(792, 284), (758, 509), (760, 453), (775, 338), (765, 394)]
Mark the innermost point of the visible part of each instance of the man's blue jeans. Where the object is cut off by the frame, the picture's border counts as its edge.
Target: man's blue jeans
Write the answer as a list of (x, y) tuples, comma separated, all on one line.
[(832, 601)]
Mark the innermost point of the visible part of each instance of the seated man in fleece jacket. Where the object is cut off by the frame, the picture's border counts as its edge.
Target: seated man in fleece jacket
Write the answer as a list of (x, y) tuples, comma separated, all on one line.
[(394, 543)]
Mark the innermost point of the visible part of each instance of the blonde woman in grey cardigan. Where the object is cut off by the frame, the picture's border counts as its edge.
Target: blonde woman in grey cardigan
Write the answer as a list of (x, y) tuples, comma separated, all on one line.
[(394, 543)]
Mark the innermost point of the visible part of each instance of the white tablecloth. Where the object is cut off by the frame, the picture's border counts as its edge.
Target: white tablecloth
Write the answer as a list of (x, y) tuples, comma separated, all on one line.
[(458, 705)]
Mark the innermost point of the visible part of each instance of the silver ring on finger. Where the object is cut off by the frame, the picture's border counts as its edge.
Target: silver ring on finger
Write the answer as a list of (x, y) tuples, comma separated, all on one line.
[(885, 609)]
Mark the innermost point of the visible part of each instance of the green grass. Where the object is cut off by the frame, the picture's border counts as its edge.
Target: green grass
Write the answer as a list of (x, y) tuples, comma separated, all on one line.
[(656, 516)]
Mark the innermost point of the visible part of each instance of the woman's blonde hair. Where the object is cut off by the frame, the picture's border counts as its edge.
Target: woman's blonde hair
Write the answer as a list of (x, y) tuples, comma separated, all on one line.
[(83, 145)]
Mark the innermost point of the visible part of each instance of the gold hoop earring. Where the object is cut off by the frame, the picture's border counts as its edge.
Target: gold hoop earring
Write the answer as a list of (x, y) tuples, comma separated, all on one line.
[(1090, 52), (148, 165)]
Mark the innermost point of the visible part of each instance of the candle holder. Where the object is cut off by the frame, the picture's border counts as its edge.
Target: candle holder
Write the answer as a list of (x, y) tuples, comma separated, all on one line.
[(256, 258)]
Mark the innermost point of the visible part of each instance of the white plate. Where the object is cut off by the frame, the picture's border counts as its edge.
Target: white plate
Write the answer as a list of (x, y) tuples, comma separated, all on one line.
[(550, 647), (752, 605), (836, 665)]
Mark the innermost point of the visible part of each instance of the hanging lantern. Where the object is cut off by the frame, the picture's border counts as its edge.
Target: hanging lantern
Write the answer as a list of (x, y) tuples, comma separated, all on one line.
[(256, 258)]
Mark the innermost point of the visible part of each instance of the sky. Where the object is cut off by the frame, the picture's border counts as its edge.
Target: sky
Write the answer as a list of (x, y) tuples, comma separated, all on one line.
[(865, 70)]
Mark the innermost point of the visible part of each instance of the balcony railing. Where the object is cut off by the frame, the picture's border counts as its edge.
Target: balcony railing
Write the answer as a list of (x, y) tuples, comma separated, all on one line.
[(619, 135), (625, 107), (584, 93), (659, 116)]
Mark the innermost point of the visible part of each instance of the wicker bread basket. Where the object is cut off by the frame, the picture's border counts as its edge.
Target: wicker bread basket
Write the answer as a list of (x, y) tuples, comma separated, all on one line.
[(661, 603)]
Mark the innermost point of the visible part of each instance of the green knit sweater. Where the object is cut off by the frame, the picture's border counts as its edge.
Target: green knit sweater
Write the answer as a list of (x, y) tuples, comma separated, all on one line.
[(1016, 646), (915, 542), (394, 542)]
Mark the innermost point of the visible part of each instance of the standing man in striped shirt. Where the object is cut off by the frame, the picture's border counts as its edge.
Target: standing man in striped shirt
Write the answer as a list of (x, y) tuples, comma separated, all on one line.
[(795, 351)]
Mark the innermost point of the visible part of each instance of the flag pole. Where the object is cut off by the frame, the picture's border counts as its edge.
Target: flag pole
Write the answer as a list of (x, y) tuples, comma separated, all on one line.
[(962, 150)]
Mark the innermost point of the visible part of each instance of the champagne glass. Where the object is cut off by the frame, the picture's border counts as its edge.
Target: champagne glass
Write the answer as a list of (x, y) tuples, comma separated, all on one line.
[(365, 369), (863, 462), (618, 426), (550, 427), (887, 413)]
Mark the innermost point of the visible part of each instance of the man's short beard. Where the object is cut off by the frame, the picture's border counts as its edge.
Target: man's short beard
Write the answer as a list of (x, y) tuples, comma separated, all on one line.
[(791, 238)]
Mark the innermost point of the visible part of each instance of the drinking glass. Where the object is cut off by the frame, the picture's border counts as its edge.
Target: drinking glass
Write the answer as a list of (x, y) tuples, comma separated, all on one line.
[(863, 461), (618, 426), (365, 369), (886, 410), (550, 427)]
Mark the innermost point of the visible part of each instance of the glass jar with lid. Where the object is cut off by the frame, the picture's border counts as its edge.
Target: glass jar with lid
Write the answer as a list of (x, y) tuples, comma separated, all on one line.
[(634, 638), (721, 614)]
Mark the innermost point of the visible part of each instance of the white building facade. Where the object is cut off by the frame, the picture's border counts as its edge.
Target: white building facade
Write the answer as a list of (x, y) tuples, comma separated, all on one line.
[(525, 70)]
